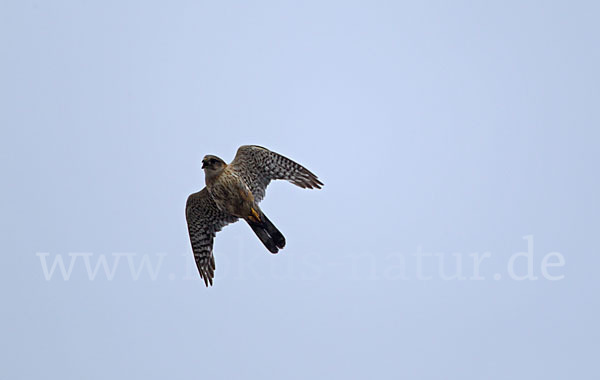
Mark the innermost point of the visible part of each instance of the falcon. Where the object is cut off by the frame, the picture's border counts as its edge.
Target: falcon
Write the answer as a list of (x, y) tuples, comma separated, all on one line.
[(233, 191)]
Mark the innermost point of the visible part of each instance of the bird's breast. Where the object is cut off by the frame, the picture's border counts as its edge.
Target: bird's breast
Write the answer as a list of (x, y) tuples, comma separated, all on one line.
[(231, 195)]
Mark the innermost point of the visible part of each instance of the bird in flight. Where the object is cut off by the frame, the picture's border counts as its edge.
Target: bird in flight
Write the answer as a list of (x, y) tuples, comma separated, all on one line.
[(233, 191)]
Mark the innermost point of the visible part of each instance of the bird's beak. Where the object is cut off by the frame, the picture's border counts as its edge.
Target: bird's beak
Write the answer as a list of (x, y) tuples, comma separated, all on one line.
[(203, 164)]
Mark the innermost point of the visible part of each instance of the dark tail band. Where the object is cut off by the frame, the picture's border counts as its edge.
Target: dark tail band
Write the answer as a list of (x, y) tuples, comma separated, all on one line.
[(267, 233)]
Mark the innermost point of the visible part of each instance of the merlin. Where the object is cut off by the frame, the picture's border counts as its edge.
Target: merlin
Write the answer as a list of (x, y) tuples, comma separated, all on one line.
[(233, 191)]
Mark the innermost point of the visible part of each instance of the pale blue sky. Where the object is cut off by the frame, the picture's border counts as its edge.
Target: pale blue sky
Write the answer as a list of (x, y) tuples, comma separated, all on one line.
[(447, 127)]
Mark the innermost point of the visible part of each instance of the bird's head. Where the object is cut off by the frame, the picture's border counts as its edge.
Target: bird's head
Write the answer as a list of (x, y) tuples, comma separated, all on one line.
[(212, 164)]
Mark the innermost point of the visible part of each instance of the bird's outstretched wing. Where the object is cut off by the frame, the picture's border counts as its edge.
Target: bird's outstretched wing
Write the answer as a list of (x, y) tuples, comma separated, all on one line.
[(258, 166), (204, 220)]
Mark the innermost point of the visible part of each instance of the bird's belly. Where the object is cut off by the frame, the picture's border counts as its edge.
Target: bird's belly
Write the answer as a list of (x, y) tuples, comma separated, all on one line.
[(231, 200)]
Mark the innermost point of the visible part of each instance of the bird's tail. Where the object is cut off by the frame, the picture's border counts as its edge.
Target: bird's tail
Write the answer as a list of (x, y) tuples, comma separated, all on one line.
[(267, 233)]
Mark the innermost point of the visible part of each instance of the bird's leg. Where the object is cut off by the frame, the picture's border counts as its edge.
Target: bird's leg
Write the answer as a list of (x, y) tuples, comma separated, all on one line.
[(255, 217)]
